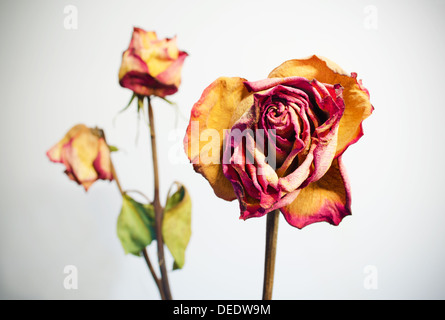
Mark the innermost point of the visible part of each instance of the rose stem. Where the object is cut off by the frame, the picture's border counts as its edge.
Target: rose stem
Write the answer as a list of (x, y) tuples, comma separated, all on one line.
[(271, 250), (157, 206), (113, 172), (153, 273), (144, 252)]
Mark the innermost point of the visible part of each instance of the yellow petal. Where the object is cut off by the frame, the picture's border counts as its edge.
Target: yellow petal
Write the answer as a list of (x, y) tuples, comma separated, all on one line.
[(220, 106), (159, 55), (55, 153), (155, 61), (80, 155), (141, 38), (357, 104), (171, 48), (327, 199), (147, 37), (131, 62)]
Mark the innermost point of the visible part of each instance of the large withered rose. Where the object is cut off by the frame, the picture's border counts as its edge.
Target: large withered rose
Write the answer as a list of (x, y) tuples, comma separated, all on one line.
[(281, 140)]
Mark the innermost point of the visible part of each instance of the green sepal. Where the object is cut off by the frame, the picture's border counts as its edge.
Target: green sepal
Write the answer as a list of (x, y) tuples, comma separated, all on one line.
[(129, 103), (113, 148), (140, 103), (168, 101)]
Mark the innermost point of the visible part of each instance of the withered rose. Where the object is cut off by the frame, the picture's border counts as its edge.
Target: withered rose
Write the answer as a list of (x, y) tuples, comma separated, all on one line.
[(151, 66), (281, 140), (85, 154)]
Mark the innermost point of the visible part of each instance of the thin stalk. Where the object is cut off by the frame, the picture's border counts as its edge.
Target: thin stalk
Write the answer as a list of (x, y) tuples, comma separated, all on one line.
[(159, 211), (271, 250), (116, 179), (153, 273)]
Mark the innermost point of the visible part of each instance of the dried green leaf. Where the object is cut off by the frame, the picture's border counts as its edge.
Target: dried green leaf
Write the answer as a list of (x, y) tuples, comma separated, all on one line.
[(135, 225), (176, 225)]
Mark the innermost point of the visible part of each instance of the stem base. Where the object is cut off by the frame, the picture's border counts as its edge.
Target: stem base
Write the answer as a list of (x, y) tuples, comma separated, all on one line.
[(271, 250)]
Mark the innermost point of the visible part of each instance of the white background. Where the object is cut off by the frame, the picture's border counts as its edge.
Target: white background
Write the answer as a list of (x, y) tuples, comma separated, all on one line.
[(52, 78)]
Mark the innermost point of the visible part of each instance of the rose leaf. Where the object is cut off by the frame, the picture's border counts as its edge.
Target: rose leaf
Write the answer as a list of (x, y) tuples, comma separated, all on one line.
[(176, 225), (135, 225)]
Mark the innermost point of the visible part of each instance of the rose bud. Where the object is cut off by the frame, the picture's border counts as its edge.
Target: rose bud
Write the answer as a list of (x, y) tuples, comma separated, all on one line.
[(85, 154), (151, 66), (280, 140)]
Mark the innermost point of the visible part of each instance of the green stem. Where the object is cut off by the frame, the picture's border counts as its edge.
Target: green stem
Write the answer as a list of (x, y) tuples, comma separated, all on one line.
[(159, 214), (153, 273)]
